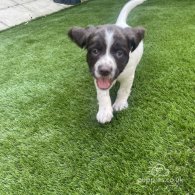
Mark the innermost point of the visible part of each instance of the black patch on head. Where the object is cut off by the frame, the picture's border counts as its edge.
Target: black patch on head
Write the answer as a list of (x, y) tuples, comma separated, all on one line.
[(96, 47), (134, 36), (120, 50), (80, 35)]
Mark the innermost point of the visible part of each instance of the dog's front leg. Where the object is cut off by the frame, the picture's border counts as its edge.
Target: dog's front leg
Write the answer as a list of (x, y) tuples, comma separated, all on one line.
[(105, 112)]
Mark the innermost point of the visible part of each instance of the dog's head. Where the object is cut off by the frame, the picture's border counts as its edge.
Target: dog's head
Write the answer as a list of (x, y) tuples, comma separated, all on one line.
[(108, 49)]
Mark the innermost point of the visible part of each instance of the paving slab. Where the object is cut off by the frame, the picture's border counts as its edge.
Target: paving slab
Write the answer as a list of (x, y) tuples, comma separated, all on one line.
[(14, 15), (6, 3), (14, 12), (22, 1), (3, 26), (43, 7)]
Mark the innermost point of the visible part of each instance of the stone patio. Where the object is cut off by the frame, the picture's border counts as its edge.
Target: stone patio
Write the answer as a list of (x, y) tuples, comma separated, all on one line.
[(14, 12)]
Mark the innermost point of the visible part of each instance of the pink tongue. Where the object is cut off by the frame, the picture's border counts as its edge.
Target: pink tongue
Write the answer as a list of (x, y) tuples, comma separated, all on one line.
[(103, 83)]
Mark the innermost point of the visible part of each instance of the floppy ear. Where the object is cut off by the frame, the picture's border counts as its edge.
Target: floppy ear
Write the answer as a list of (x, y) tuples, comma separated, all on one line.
[(80, 35), (134, 36)]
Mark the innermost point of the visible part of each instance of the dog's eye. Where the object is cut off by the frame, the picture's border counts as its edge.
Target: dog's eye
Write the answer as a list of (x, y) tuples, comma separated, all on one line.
[(95, 51), (119, 53)]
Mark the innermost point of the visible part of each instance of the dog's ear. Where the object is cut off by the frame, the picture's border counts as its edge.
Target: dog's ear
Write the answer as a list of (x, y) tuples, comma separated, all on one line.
[(80, 35), (134, 36)]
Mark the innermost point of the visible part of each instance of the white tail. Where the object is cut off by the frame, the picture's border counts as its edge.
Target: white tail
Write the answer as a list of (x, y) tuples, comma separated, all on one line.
[(121, 20)]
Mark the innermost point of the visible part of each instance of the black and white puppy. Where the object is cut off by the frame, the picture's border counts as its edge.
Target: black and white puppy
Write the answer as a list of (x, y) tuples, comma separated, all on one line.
[(113, 52)]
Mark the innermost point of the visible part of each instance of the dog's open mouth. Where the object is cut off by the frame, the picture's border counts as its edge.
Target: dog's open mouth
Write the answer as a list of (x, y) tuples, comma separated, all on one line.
[(103, 83)]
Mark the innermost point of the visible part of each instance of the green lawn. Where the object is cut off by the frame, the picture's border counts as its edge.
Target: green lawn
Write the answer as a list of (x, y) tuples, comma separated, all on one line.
[(50, 142)]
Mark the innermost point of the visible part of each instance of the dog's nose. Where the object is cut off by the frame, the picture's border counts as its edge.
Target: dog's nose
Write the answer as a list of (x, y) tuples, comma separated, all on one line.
[(104, 70)]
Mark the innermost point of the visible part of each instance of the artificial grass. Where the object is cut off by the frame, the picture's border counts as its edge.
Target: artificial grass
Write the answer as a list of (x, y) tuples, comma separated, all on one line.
[(50, 141)]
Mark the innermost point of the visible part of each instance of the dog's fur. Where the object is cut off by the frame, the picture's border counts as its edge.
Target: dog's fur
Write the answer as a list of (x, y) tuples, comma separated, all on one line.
[(113, 53)]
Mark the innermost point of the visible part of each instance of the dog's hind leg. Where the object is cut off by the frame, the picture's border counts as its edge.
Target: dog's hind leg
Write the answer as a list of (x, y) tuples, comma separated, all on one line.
[(123, 94), (126, 79)]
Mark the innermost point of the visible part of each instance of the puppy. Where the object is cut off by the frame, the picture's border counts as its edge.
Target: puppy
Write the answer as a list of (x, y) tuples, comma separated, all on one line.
[(113, 52)]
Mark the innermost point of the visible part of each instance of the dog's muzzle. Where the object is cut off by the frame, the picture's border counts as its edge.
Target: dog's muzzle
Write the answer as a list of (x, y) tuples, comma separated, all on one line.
[(105, 78)]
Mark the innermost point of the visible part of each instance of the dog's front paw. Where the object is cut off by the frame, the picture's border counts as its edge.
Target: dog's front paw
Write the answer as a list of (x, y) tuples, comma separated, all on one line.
[(104, 115), (120, 105)]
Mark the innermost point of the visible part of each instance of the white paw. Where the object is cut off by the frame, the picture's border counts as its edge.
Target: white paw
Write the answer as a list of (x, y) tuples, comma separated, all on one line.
[(104, 115), (120, 105)]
